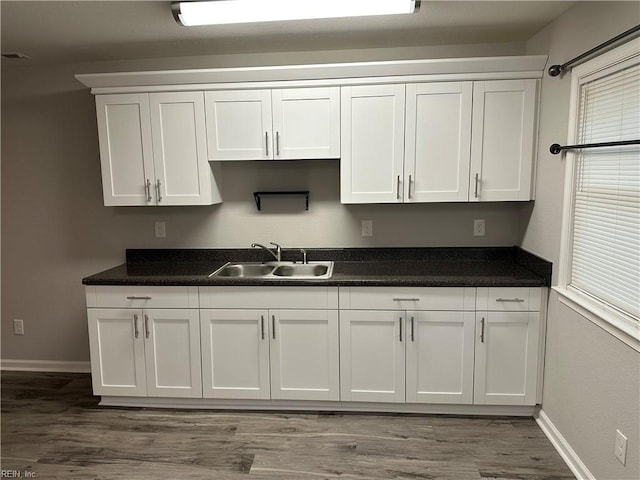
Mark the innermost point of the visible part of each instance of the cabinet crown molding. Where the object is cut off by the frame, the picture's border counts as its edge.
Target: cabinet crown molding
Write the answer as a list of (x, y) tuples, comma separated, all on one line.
[(401, 71)]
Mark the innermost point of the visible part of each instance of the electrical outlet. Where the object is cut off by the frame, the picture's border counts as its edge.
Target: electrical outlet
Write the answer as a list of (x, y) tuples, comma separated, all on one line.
[(161, 230), (18, 327), (478, 227), (621, 447), (367, 228)]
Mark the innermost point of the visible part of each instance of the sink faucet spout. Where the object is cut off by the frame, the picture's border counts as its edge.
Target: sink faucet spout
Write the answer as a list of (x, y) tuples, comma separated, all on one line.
[(275, 255)]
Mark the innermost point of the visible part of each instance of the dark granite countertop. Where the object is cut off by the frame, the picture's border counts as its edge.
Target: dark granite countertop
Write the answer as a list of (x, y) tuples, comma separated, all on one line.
[(427, 267)]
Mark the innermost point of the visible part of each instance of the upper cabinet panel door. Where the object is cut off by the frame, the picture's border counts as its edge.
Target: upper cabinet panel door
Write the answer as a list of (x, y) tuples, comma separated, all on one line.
[(239, 125), (306, 123), (180, 149), (438, 142), (502, 145), (126, 156), (372, 144)]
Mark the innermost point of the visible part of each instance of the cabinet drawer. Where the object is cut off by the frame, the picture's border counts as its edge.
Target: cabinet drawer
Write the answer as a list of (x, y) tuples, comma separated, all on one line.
[(411, 298), (512, 299), (269, 297), (138, 296)]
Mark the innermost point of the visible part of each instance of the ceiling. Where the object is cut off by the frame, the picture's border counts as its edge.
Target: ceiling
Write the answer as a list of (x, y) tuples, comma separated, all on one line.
[(82, 31)]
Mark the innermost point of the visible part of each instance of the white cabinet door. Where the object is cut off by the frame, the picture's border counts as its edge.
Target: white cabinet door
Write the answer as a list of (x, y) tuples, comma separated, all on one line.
[(235, 353), (239, 125), (116, 343), (306, 123), (506, 358), (438, 142), (440, 357), (172, 351), (183, 174), (126, 156), (372, 144), (372, 356), (503, 140), (304, 355)]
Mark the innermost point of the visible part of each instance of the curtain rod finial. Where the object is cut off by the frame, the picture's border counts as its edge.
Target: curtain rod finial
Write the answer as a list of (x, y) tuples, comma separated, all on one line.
[(555, 148), (555, 70)]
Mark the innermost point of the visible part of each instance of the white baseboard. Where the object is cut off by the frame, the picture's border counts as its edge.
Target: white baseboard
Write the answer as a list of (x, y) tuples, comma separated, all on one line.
[(45, 366), (570, 457)]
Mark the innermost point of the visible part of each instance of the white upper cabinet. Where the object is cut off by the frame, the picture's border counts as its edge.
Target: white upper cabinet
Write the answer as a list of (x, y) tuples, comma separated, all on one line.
[(503, 140), (372, 139), (126, 152), (437, 142), (282, 124), (153, 150), (457, 142)]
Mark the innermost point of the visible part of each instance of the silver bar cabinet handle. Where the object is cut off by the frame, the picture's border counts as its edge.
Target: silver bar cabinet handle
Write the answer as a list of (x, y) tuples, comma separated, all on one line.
[(408, 299), (273, 325), (482, 330), (277, 144), (146, 326), (135, 325), (413, 328), (400, 324), (133, 297), (409, 189), (158, 190), (262, 326), (398, 188), (475, 192), (147, 189), (518, 300), (266, 143)]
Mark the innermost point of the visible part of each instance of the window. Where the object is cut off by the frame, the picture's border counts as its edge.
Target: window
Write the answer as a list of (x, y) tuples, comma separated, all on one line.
[(600, 261)]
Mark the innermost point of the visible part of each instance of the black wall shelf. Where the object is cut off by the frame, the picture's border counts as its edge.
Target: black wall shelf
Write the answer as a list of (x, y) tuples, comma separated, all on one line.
[(257, 196)]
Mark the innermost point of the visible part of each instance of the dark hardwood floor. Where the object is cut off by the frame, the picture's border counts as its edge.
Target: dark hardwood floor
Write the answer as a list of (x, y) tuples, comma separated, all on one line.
[(53, 427)]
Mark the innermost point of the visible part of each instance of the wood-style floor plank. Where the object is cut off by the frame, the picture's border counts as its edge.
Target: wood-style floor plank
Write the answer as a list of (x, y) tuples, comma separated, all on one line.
[(52, 426)]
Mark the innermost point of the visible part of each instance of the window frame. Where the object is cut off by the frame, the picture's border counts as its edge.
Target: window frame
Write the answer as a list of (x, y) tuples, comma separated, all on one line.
[(622, 326)]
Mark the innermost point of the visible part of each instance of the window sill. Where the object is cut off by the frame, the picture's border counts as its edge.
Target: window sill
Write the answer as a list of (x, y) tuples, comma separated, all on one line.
[(623, 331)]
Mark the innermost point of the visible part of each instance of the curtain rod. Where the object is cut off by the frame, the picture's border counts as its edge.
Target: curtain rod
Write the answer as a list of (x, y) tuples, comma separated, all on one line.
[(555, 70), (557, 148)]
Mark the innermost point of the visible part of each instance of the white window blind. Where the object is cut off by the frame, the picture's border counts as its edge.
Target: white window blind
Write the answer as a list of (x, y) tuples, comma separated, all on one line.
[(606, 222)]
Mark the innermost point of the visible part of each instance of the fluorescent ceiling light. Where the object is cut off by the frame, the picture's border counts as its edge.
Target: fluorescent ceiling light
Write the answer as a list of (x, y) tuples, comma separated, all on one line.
[(218, 12)]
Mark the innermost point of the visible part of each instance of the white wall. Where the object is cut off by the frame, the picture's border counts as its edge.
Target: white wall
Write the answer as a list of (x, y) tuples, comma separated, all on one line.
[(592, 380), (56, 230)]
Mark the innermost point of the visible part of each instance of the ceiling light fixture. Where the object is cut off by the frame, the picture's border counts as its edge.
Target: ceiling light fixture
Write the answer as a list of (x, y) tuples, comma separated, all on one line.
[(219, 12)]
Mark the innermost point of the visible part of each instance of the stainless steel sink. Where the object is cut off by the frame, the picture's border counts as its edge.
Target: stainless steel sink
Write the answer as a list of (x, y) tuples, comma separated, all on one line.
[(243, 270), (301, 270), (276, 270)]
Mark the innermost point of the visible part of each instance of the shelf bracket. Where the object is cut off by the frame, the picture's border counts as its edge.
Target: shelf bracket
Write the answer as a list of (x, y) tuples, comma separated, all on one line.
[(257, 196)]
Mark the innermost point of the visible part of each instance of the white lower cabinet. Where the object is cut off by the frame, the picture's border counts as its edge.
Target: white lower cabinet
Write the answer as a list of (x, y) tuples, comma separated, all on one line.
[(280, 352), (144, 341), (464, 346), (395, 354), (150, 352), (507, 346)]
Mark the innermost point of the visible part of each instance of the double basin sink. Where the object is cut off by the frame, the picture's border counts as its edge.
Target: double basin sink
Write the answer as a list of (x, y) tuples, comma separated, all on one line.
[(276, 270)]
